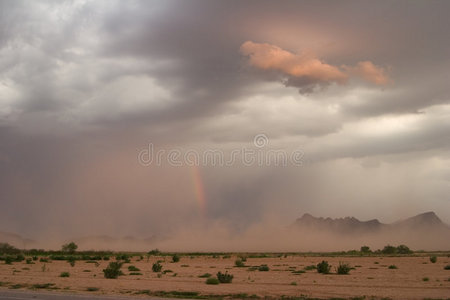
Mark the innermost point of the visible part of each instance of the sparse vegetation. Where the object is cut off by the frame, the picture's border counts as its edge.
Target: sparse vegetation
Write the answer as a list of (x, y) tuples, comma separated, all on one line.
[(175, 258), (156, 267), (343, 269), (323, 267), (42, 285), (69, 248), (64, 274), (365, 249), (135, 273), (425, 279), (293, 283), (433, 259), (392, 267), (224, 277), (263, 268), (310, 267), (403, 249), (205, 275), (92, 289), (447, 267), (212, 280), (113, 270), (133, 269), (239, 263)]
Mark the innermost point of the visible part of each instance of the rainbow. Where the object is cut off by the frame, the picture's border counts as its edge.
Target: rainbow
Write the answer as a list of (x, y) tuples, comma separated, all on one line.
[(199, 190)]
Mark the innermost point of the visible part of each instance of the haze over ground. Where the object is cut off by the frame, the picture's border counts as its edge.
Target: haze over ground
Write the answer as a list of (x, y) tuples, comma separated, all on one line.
[(357, 89)]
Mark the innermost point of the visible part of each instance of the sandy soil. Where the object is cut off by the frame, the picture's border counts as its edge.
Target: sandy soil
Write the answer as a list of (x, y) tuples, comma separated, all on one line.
[(371, 277)]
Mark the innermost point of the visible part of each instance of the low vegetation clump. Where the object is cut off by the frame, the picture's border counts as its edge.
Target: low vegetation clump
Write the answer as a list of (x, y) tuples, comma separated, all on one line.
[(425, 279), (92, 289), (310, 267), (392, 267), (224, 277), (239, 263), (343, 269), (365, 249), (175, 258), (212, 280), (135, 273), (447, 267), (206, 275), (263, 268), (156, 267), (113, 270), (133, 269), (433, 259), (69, 248), (323, 267), (43, 285), (64, 274)]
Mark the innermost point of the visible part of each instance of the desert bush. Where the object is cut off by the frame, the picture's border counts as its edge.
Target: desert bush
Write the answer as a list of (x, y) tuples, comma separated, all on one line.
[(154, 252), (6, 248), (20, 257), (224, 277), (175, 258), (403, 249), (64, 274), (239, 263), (293, 283), (135, 273), (43, 259), (157, 267), (29, 261), (392, 267), (433, 259), (323, 267), (8, 260), (206, 275), (263, 268), (365, 249), (343, 269), (425, 279), (133, 269), (447, 267), (42, 285), (69, 248), (212, 280), (388, 249), (113, 270), (310, 267), (92, 289)]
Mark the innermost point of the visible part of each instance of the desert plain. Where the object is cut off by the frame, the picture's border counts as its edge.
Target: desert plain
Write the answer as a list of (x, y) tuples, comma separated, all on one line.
[(289, 276)]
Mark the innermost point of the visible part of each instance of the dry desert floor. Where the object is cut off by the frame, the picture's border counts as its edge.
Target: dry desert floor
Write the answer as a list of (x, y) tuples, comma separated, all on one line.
[(414, 278)]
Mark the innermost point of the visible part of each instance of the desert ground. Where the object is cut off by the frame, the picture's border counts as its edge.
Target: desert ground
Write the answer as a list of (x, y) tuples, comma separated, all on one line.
[(414, 278)]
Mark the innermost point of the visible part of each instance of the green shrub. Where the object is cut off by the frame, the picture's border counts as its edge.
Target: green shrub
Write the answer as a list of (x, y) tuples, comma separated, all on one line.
[(8, 260), (133, 269), (69, 248), (92, 289), (343, 269), (263, 268), (323, 267), (365, 249), (175, 258), (157, 267), (224, 277), (206, 275), (389, 250), (113, 270), (403, 249), (43, 259), (310, 267), (392, 267), (29, 261), (212, 280), (135, 273), (425, 279), (64, 274), (433, 259), (447, 267), (293, 283), (239, 263)]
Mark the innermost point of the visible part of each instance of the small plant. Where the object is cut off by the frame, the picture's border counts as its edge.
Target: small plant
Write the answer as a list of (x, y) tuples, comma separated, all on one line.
[(29, 261), (263, 268), (323, 267), (447, 267), (133, 269), (392, 267), (425, 279), (42, 285), (113, 270), (343, 269), (92, 289), (433, 259), (206, 275), (310, 267), (135, 273), (224, 277), (157, 267), (64, 274), (8, 260), (239, 263), (212, 280), (175, 258), (43, 259)]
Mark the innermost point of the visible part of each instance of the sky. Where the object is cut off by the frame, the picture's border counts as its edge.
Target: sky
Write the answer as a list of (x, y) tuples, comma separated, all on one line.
[(353, 96)]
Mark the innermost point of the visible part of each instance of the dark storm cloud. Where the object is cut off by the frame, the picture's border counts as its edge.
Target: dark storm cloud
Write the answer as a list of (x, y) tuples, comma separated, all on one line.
[(84, 85)]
